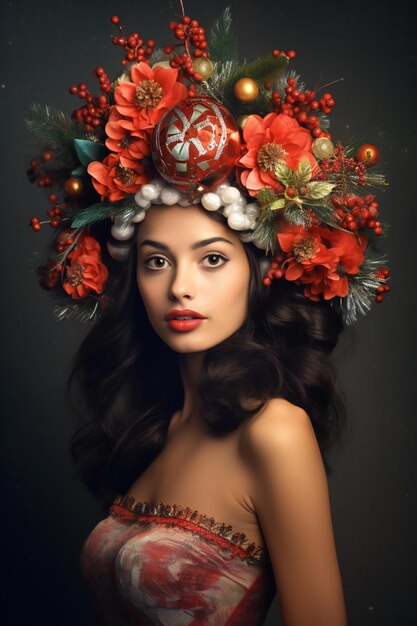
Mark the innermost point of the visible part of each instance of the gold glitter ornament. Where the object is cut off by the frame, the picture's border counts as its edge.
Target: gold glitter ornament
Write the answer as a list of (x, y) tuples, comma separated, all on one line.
[(322, 148), (204, 67), (246, 90)]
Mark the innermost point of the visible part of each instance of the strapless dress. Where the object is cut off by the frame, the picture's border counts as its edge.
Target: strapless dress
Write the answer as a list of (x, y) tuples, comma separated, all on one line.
[(155, 564)]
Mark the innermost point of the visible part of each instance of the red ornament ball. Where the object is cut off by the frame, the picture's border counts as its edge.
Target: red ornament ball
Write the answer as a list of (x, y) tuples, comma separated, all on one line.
[(195, 144), (368, 154)]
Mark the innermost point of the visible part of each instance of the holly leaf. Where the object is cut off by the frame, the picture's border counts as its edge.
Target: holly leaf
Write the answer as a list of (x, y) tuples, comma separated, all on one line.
[(304, 172), (278, 204), (88, 151), (318, 190), (284, 173)]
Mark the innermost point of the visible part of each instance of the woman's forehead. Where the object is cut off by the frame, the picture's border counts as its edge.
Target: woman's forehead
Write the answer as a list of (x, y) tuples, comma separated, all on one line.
[(181, 223)]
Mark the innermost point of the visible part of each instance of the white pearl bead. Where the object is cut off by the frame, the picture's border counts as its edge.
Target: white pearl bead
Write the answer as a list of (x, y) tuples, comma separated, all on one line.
[(140, 201), (211, 201), (159, 183), (139, 217), (149, 192), (232, 208), (237, 221), (170, 196), (219, 190), (252, 210), (229, 195), (122, 232), (118, 253), (184, 201)]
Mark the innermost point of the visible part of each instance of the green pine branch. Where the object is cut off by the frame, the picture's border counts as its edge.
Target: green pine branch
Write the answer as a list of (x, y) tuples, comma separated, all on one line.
[(222, 41)]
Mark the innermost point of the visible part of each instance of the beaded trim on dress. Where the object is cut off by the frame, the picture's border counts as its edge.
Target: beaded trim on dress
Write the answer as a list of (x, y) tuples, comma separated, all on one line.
[(241, 544)]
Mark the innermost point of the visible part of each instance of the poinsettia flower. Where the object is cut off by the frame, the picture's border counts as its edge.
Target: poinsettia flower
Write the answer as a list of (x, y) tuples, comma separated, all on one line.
[(117, 176), (149, 95), (268, 140), (321, 259), (86, 272), (122, 137)]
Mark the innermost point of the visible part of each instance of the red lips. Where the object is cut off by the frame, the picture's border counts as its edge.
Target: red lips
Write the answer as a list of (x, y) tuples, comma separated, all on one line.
[(183, 313)]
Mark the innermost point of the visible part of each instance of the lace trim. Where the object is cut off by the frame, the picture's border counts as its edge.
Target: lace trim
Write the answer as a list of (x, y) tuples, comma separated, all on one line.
[(129, 510)]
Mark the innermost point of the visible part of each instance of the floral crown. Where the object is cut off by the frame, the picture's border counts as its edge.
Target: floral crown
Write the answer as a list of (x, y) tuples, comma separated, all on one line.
[(188, 123)]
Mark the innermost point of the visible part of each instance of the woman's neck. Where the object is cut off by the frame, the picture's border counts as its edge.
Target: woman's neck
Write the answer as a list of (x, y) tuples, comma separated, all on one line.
[(190, 366)]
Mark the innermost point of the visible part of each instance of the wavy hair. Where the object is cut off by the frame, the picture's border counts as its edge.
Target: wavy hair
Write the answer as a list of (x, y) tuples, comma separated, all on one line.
[(129, 383)]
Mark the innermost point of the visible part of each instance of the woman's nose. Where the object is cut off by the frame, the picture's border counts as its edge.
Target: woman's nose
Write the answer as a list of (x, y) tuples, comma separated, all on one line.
[(182, 285)]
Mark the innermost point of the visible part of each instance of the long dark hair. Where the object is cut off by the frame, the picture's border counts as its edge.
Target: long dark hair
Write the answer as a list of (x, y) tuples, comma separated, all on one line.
[(130, 384)]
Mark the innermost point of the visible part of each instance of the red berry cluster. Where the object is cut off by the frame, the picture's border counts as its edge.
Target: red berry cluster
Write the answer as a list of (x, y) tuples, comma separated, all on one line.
[(136, 49), (291, 54), (189, 31), (340, 163), (37, 174), (356, 212), (93, 114), (383, 272), (274, 270), (54, 214), (298, 104)]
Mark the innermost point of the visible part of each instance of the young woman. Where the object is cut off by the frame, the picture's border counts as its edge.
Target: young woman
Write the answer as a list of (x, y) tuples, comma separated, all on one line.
[(219, 415), (208, 379)]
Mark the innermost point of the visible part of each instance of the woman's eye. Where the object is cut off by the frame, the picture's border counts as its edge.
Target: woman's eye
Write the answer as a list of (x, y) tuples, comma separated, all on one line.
[(157, 265), (214, 259)]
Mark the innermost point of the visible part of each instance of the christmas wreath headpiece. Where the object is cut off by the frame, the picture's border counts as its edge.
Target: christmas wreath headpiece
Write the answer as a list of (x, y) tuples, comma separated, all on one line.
[(189, 123)]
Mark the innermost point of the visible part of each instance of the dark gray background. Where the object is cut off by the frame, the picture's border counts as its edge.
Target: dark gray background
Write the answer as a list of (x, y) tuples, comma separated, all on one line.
[(49, 45)]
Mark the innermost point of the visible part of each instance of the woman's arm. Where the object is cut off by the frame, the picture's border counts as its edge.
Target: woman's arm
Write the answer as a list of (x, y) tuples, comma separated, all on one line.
[(291, 500)]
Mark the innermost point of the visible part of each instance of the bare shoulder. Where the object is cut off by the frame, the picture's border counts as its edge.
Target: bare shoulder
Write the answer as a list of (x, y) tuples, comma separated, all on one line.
[(291, 500), (278, 425)]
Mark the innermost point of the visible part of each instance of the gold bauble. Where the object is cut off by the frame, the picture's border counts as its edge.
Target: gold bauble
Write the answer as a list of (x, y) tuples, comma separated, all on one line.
[(166, 64), (246, 90), (73, 187), (242, 120), (204, 67), (322, 148)]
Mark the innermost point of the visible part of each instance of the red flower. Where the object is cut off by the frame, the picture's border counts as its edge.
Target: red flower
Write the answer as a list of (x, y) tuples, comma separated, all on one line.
[(275, 137), (124, 139), (86, 271), (321, 259), (149, 95), (117, 176)]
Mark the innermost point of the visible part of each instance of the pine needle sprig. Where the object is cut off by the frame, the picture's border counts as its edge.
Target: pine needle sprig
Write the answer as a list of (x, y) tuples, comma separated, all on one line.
[(101, 211), (57, 131), (362, 288), (85, 310), (265, 231), (222, 40)]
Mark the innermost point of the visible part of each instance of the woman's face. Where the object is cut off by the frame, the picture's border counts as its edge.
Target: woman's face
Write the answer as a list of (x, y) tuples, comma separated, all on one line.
[(179, 268)]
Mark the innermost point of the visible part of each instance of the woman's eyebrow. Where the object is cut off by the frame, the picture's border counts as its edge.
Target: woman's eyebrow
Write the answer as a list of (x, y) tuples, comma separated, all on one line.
[(194, 246)]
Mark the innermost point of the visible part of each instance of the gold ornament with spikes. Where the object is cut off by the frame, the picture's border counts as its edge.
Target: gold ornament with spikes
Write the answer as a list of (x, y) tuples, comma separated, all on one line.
[(204, 67), (246, 90)]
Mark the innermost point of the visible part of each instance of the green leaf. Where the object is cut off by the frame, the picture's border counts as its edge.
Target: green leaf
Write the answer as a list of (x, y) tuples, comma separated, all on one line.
[(278, 204), (319, 190), (284, 173), (304, 172), (88, 151), (222, 41)]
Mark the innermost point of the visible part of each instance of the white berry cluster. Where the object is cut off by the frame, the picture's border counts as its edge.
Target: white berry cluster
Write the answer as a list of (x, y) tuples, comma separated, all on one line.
[(241, 215)]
